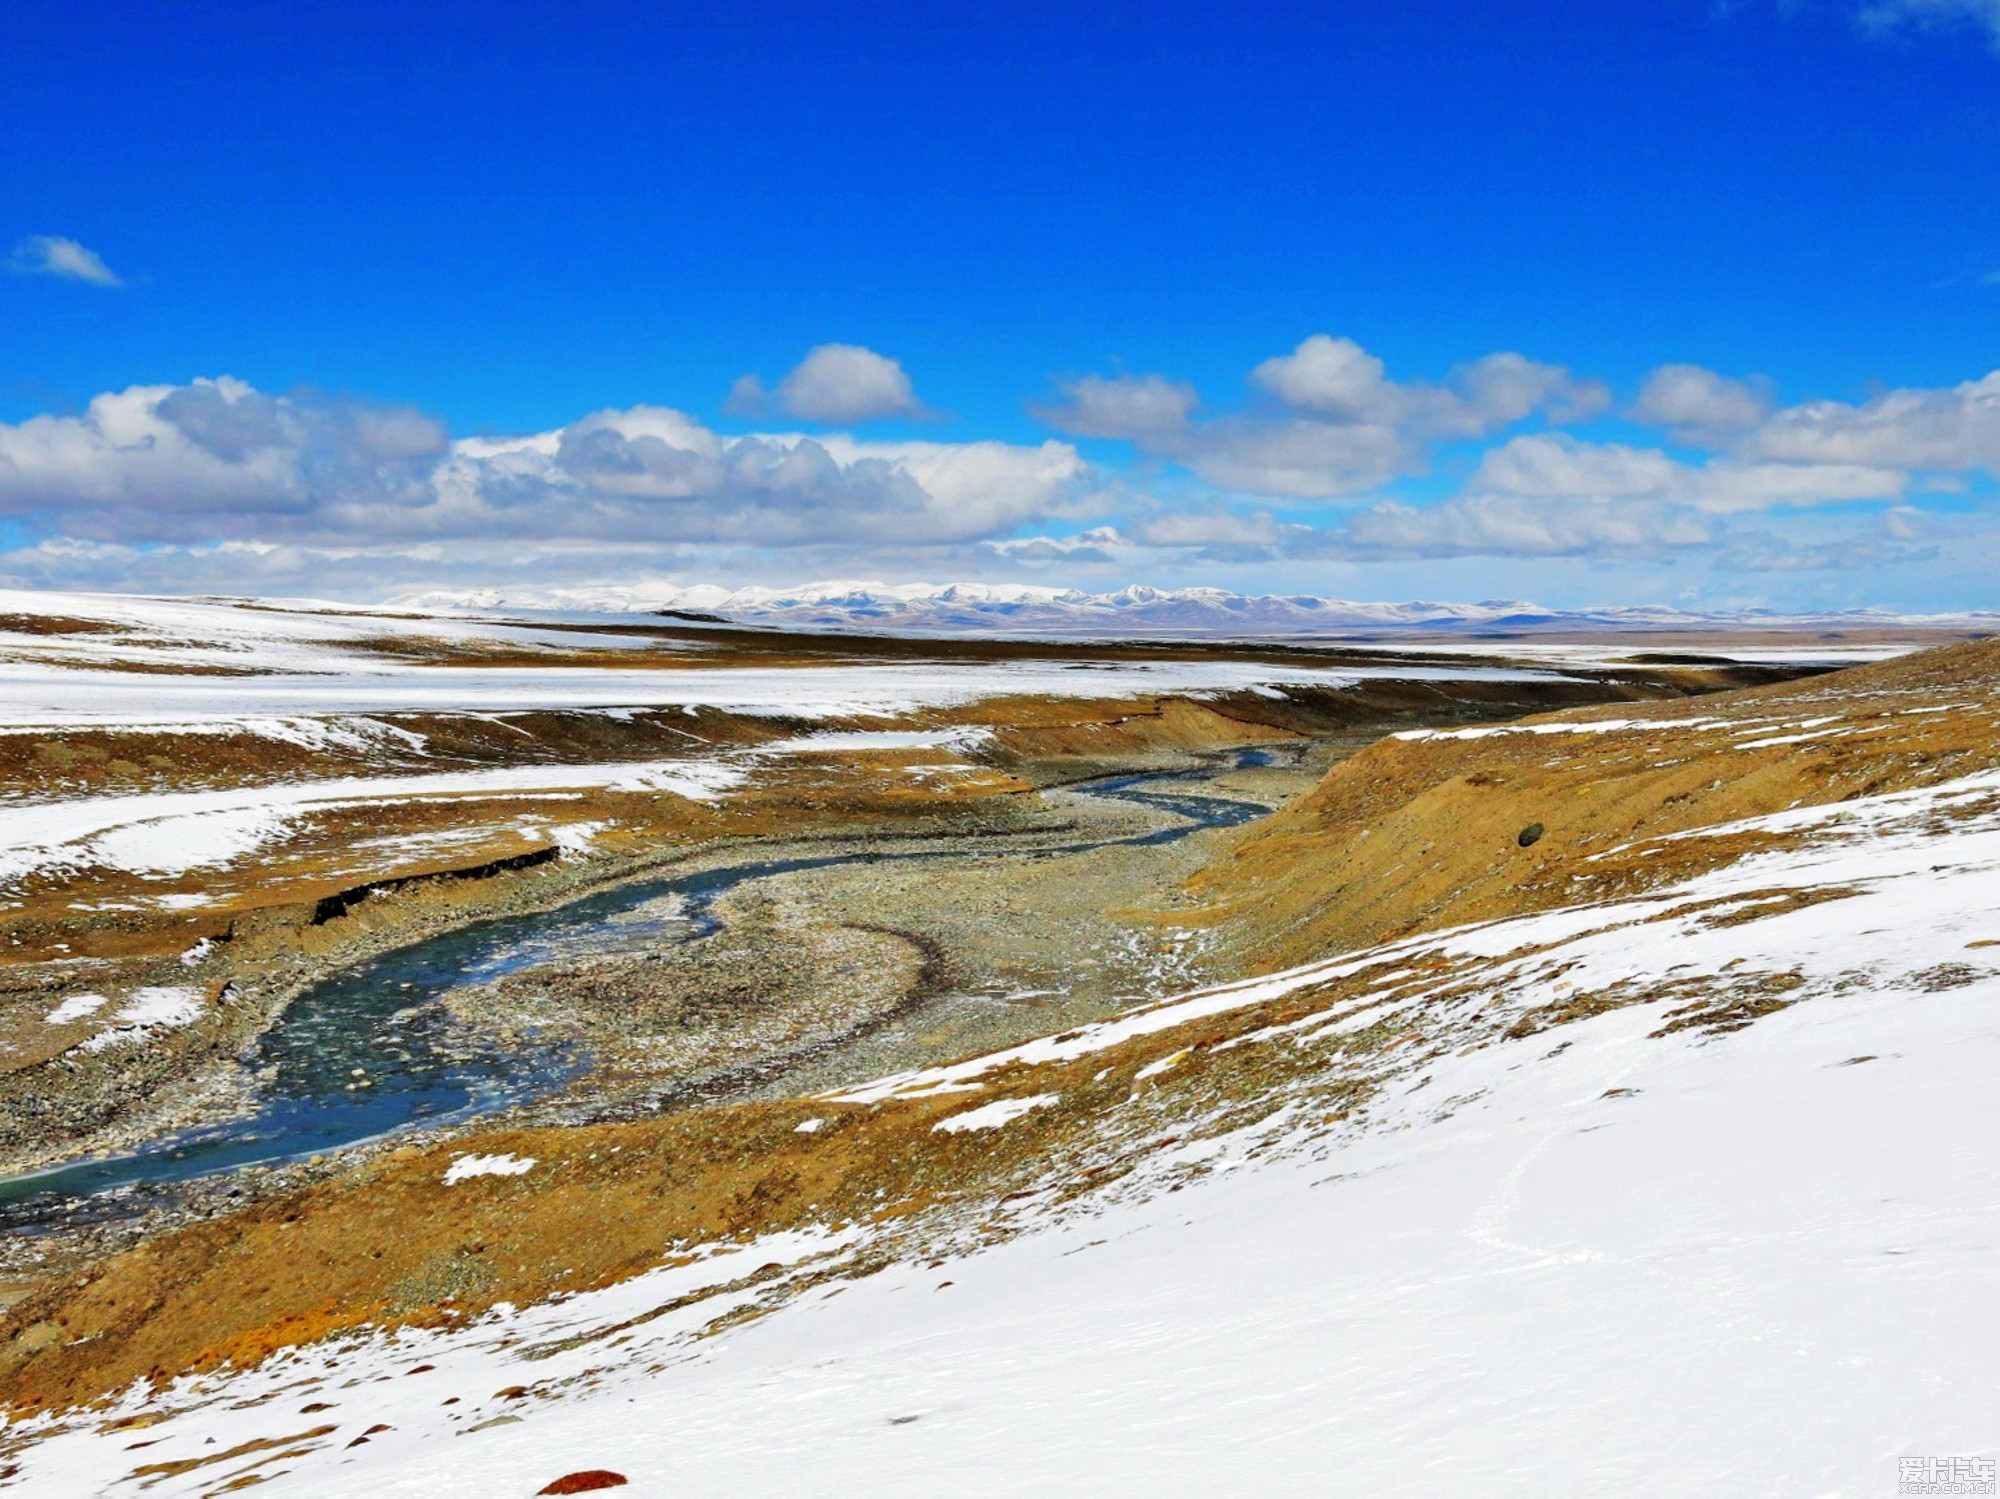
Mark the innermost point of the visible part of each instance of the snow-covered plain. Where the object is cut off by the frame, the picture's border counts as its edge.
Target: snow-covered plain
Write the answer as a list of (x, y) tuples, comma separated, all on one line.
[(1599, 1257), (38, 696)]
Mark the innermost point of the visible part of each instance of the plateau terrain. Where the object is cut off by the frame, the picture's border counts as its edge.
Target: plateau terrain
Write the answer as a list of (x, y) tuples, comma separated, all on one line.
[(468, 1049)]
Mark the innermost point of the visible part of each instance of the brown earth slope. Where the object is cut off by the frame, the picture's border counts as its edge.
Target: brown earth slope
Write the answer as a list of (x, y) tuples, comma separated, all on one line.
[(1427, 830)]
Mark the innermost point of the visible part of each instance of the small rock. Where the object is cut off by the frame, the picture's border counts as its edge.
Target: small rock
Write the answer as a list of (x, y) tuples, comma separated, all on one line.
[(1530, 835), (588, 1481)]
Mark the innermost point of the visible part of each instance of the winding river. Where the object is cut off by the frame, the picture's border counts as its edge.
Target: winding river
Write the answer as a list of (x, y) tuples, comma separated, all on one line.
[(372, 1051)]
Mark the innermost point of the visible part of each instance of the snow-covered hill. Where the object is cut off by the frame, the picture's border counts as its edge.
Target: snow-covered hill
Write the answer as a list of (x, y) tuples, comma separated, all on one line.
[(1627, 1261)]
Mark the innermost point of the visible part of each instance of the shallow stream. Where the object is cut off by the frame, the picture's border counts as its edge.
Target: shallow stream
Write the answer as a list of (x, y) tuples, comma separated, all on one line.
[(373, 1050)]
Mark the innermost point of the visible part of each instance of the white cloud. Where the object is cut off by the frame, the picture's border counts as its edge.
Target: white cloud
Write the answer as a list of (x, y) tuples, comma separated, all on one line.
[(1292, 457), (1208, 529), (1502, 389), (53, 255), (1698, 405), (1337, 379), (214, 484), (1551, 495), (834, 383), (974, 489), (218, 460), (1605, 532), (1332, 377), (1513, 526), (167, 462), (1340, 425), (1953, 429), (1131, 406), (1891, 15), (1556, 466)]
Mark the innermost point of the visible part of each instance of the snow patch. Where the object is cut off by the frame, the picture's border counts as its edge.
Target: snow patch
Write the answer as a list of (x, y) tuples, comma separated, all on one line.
[(149, 1011), (468, 1166), (1599, 726), (832, 740), (76, 1007), (993, 1115), (174, 845)]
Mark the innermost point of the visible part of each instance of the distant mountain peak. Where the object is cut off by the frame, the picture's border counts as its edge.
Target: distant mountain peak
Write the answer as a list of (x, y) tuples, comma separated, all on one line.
[(1137, 609)]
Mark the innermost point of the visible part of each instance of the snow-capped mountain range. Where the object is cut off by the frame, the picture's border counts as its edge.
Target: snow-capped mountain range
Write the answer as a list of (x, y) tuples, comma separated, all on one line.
[(1137, 610)]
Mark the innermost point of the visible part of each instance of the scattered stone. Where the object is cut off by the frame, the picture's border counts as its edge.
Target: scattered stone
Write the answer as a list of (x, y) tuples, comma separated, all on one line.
[(1530, 835)]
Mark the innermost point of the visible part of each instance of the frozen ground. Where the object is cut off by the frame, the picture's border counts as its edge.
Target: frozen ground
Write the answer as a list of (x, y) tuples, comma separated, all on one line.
[(172, 832), (1598, 1257)]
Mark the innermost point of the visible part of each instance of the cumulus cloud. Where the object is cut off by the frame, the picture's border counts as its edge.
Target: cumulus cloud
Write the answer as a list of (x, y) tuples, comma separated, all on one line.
[(1208, 529), (53, 255), (218, 460), (1334, 423), (1549, 495), (834, 383), (1775, 554), (1130, 406), (650, 474), (1513, 526), (1954, 430), (198, 460), (1294, 457), (1337, 379), (196, 485), (1603, 531), (1557, 466), (1699, 406)]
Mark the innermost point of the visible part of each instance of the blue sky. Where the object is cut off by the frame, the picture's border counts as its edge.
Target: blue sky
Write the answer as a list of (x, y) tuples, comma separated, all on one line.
[(464, 225)]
